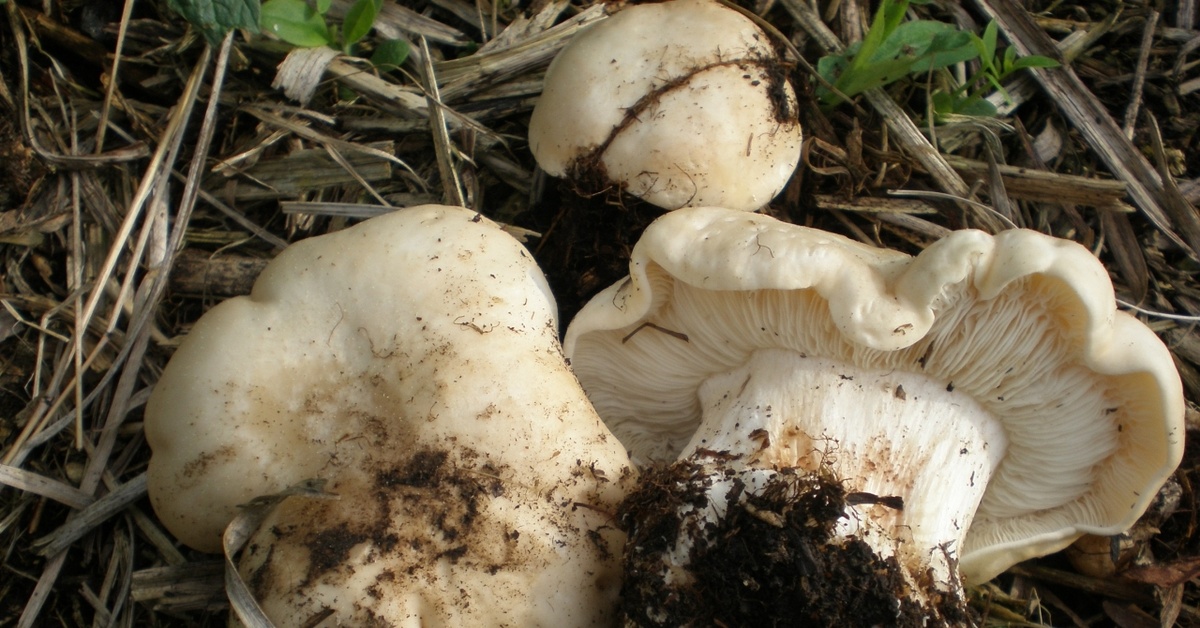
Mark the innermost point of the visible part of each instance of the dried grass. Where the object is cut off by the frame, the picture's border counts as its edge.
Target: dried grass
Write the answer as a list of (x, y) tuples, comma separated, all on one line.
[(139, 188)]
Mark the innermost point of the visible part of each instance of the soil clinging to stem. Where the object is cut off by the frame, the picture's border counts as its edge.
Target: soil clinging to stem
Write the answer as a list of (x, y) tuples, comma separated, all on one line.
[(772, 558)]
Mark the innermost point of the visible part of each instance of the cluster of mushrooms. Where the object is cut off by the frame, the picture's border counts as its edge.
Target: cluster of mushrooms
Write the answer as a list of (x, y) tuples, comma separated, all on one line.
[(761, 421)]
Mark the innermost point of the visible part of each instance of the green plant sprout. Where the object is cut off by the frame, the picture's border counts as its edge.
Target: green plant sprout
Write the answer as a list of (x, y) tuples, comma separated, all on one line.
[(894, 49), (969, 98), (891, 50), (302, 23)]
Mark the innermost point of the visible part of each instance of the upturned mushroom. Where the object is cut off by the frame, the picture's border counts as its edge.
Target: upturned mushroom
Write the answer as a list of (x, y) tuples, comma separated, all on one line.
[(411, 361), (884, 420), (680, 103)]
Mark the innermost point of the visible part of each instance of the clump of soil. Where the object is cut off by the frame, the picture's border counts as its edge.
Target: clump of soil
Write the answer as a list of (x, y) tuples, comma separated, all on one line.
[(762, 556)]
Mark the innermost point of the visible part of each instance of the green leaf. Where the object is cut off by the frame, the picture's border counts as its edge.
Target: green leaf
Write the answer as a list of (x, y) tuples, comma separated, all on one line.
[(927, 45), (1010, 56), (215, 18), (977, 107), (986, 62), (1034, 61), (390, 54), (946, 49), (893, 14), (830, 67), (359, 20), (295, 22), (989, 39), (949, 40), (947, 104), (942, 102), (910, 39), (323, 6), (886, 19), (877, 74)]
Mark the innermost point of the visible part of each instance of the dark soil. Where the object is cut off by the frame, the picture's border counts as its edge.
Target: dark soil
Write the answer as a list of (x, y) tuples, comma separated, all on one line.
[(772, 560)]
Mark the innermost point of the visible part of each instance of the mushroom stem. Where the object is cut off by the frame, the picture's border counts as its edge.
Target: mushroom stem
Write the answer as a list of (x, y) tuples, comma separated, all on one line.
[(904, 460)]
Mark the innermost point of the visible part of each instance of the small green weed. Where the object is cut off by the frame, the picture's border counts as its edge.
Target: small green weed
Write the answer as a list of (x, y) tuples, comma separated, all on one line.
[(298, 22), (894, 49), (302, 23), (968, 98)]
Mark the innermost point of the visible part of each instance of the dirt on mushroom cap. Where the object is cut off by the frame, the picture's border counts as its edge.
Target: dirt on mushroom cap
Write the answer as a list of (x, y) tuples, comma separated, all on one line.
[(437, 508)]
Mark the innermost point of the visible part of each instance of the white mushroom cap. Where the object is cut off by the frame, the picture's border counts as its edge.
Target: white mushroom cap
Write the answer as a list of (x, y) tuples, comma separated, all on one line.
[(683, 103), (413, 362), (1022, 324)]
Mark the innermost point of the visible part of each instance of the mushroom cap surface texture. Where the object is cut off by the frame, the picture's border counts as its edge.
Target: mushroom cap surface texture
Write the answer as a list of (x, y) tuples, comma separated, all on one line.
[(681, 103), (412, 361), (1023, 323)]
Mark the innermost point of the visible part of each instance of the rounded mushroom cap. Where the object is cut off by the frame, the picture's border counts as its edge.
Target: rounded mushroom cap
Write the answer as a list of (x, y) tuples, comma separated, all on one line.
[(267, 389), (412, 361), (682, 103), (1024, 323)]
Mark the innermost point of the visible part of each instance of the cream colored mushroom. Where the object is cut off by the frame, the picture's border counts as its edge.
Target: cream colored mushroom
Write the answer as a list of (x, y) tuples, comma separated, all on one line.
[(681, 103), (981, 403), (412, 361)]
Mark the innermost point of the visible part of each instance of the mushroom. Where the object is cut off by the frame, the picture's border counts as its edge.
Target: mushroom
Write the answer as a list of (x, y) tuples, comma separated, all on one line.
[(412, 362), (976, 405), (680, 103)]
